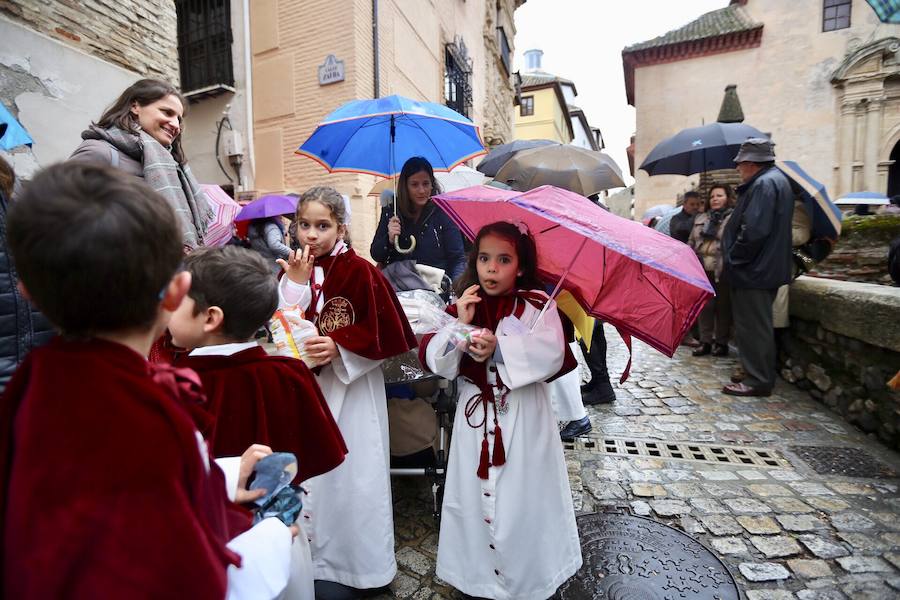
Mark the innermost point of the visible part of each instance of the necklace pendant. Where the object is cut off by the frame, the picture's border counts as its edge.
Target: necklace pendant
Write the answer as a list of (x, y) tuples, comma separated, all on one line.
[(502, 405)]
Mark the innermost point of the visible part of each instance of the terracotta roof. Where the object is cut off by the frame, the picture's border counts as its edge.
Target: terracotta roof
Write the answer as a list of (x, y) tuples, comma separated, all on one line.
[(723, 30), (730, 19)]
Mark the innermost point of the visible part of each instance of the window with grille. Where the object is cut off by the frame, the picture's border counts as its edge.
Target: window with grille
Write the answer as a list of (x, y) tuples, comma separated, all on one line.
[(204, 44), (458, 78), (836, 14), (503, 42), (526, 108)]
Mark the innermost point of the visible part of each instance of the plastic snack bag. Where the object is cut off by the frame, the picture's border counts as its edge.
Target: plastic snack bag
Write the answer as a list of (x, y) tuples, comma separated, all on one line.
[(290, 332)]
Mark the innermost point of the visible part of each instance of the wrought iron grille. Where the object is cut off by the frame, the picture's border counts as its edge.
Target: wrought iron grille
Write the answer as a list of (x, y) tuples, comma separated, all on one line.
[(458, 78), (204, 43)]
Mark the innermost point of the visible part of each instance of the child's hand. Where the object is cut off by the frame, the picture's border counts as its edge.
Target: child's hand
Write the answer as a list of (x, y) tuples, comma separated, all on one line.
[(249, 458), (483, 345), (465, 305), (298, 267), (393, 229), (321, 349)]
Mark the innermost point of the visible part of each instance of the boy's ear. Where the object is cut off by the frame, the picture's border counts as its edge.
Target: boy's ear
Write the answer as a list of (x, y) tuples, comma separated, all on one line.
[(176, 291), (214, 319)]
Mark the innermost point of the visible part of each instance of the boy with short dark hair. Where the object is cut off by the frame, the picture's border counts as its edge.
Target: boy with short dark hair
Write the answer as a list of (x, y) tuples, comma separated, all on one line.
[(106, 487), (253, 397)]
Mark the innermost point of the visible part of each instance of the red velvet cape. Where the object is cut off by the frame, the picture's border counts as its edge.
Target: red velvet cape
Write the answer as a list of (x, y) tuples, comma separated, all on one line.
[(104, 490), (255, 398), (361, 311)]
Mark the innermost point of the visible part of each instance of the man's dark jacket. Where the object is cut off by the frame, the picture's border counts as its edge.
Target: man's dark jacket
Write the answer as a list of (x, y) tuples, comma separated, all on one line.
[(680, 226), (756, 243), (21, 327)]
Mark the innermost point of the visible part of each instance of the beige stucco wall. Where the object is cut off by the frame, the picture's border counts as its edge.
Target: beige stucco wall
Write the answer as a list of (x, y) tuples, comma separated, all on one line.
[(784, 87), (289, 40)]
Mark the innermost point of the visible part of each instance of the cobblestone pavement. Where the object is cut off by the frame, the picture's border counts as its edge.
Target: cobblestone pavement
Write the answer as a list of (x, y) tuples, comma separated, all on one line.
[(784, 530)]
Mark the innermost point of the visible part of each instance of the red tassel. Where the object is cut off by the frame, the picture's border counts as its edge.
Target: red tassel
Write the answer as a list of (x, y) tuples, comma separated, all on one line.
[(484, 463), (499, 450)]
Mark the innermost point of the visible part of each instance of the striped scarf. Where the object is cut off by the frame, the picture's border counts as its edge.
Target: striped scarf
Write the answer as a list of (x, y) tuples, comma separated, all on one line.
[(174, 182)]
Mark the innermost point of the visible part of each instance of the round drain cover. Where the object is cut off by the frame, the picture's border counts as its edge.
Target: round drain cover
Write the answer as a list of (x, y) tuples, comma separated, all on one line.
[(636, 558)]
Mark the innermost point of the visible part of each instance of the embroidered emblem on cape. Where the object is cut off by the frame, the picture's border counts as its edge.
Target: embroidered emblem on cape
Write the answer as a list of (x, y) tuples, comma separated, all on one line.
[(335, 314)]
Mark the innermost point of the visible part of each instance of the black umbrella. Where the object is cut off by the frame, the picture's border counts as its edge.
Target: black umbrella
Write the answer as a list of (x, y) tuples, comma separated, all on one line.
[(699, 149), (498, 157)]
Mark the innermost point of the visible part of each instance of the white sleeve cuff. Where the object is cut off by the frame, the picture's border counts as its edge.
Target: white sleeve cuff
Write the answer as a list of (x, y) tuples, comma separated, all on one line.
[(231, 466)]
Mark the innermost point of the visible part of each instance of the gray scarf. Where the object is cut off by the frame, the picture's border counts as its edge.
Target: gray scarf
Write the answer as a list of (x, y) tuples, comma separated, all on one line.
[(174, 182)]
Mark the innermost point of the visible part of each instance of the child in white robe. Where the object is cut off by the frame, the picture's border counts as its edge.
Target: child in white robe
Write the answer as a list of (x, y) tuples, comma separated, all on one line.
[(508, 523), (347, 512)]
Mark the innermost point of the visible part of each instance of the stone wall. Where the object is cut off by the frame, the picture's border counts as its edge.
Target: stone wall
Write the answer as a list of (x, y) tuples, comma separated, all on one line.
[(861, 253), (139, 35), (843, 346)]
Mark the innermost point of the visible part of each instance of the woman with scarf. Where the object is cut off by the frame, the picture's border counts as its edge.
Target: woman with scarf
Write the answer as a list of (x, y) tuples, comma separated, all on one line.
[(706, 240), (141, 135)]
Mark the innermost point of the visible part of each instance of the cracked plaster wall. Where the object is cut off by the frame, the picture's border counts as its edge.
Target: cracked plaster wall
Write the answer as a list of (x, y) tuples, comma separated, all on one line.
[(55, 91)]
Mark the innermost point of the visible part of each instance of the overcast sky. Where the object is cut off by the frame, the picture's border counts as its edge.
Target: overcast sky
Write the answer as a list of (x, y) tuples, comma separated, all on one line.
[(582, 40)]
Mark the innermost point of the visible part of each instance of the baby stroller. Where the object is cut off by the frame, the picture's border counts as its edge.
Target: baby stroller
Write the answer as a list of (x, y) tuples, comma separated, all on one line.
[(420, 404)]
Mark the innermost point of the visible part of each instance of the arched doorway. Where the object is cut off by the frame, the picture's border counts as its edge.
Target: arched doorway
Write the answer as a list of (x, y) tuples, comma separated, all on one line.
[(893, 187)]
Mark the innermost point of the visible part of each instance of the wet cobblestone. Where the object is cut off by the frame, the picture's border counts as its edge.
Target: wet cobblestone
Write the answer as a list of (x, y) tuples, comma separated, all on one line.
[(784, 532)]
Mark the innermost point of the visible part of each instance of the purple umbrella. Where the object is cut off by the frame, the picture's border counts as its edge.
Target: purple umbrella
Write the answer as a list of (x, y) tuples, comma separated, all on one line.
[(268, 206)]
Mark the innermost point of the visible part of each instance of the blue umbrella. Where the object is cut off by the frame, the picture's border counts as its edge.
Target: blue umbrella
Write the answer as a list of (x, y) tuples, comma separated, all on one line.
[(11, 133), (870, 198), (378, 136), (825, 216), (888, 11), (699, 149)]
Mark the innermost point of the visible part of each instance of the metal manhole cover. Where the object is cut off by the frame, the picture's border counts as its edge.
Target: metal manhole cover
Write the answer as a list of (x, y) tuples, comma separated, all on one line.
[(629, 557), (850, 462), (691, 451)]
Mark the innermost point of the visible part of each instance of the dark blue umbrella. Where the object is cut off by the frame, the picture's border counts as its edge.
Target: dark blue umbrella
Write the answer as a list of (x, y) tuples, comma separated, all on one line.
[(824, 215), (500, 155), (699, 149), (11, 133), (888, 11)]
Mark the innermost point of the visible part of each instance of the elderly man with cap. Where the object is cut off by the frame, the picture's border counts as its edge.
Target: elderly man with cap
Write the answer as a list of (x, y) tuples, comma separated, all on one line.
[(756, 246)]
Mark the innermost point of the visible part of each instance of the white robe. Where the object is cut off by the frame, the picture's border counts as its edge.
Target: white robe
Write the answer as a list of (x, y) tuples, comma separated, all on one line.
[(512, 535), (348, 514), (565, 393)]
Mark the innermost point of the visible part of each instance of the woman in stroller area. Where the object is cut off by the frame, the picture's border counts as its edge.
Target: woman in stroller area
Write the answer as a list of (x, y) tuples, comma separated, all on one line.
[(438, 242)]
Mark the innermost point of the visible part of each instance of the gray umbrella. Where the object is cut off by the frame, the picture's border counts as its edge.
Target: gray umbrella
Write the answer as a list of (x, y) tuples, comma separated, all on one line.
[(497, 157), (569, 167)]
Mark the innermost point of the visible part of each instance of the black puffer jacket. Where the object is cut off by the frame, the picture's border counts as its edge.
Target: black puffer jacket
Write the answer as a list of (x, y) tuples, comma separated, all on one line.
[(21, 326), (756, 243)]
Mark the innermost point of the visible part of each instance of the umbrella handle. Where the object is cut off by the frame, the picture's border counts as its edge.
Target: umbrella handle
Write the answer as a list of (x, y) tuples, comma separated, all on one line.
[(412, 245)]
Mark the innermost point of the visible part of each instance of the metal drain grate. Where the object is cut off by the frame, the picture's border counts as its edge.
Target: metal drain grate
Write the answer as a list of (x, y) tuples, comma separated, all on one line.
[(849, 462), (708, 453)]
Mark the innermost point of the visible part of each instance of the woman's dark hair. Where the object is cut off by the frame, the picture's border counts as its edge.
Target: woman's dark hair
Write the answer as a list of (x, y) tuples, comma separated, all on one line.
[(414, 165), (729, 194), (144, 92), (525, 250)]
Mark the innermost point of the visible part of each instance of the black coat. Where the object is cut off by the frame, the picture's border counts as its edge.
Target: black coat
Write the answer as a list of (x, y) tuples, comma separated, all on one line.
[(680, 226), (438, 241), (21, 326), (756, 243)]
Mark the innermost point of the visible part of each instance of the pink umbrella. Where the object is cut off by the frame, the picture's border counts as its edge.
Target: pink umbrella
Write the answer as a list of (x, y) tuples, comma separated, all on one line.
[(224, 211), (644, 283)]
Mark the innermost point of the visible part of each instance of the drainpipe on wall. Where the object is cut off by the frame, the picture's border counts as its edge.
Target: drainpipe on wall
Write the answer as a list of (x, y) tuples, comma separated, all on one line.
[(375, 53), (248, 92)]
